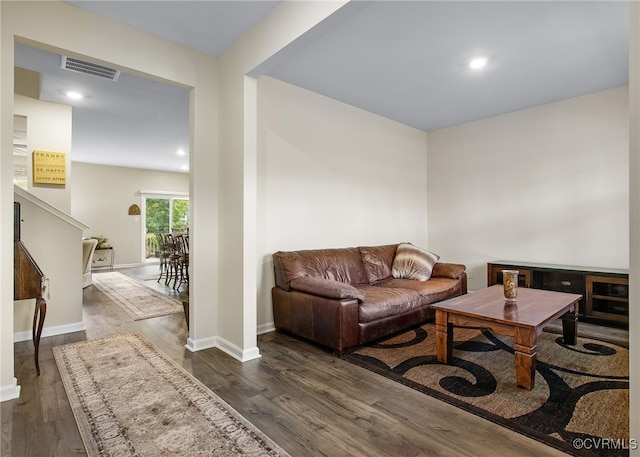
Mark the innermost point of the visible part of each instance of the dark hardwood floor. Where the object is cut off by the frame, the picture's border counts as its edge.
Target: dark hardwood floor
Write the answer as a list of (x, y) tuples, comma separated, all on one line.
[(307, 400)]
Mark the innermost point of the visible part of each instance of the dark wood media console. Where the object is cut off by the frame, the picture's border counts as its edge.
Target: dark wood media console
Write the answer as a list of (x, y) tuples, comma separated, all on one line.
[(605, 291)]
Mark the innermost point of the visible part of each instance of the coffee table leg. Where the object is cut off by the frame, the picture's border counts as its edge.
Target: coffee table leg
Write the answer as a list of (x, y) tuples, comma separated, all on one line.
[(444, 336), (526, 354), (570, 327)]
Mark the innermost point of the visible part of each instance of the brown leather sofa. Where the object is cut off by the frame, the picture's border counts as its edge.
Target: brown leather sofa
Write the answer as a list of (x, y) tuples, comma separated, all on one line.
[(342, 298)]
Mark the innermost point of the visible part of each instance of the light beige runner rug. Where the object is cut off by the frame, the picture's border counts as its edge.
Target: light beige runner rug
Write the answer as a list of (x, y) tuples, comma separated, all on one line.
[(136, 299), (130, 399)]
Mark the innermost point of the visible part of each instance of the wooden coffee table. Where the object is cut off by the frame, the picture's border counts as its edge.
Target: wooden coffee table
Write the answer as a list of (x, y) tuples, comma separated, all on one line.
[(523, 320)]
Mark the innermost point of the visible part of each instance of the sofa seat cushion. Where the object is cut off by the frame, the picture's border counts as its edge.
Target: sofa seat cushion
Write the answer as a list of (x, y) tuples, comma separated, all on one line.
[(431, 291), (381, 302)]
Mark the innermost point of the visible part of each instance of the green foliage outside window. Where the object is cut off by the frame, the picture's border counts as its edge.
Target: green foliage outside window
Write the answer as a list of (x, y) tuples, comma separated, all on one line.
[(180, 215), (152, 246), (157, 215), (157, 220)]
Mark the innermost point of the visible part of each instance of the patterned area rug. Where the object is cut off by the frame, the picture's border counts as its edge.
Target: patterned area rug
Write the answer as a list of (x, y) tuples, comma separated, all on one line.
[(580, 403), (136, 299), (129, 399)]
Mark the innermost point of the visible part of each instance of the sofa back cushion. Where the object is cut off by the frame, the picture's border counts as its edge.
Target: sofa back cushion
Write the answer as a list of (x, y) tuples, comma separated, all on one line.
[(377, 261), (344, 265)]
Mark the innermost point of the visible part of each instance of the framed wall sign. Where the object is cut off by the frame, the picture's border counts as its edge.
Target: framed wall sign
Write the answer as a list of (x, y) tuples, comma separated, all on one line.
[(49, 167)]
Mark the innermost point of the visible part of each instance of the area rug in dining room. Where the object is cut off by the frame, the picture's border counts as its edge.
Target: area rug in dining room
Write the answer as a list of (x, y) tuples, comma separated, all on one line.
[(130, 399), (580, 402), (136, 299)]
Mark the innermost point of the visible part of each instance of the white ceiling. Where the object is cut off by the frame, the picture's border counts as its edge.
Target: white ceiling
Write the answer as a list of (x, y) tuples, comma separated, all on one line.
[(406, 61)]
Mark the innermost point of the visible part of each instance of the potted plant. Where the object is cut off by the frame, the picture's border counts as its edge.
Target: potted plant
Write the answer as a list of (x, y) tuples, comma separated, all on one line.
[(103, 243)]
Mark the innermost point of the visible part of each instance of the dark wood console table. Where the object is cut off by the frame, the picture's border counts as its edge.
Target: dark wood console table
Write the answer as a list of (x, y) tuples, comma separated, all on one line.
[(605, 290), (28, 282)]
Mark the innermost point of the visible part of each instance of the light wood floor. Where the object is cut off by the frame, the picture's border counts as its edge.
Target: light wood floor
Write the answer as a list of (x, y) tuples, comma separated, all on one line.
[(307, 400)]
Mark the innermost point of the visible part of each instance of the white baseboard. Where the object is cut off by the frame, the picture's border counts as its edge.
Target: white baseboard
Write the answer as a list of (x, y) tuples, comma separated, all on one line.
[(199, 345), (225, 346), (103, 268), (266, 328), (10, 392), (243, 355), (127, 265), (50, 331)]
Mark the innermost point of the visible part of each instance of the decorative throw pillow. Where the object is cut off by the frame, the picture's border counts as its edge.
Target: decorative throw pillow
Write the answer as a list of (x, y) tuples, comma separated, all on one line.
[(412, 262)]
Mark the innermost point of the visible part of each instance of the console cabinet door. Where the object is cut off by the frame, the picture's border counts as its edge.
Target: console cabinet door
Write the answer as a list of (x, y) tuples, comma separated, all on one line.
[(607, 298)]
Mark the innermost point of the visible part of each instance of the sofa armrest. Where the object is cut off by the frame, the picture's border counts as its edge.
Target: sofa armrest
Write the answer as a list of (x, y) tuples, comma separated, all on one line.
[(448, 270), (329, 322), (325, 288)]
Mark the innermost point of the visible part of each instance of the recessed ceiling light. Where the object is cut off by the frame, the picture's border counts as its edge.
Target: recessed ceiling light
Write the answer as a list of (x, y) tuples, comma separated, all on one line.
[(180, 152), (478, 62), (74, 95), (185, 167)]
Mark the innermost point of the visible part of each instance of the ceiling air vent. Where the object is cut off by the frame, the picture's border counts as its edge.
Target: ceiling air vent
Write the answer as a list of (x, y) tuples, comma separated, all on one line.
[(81, 66)]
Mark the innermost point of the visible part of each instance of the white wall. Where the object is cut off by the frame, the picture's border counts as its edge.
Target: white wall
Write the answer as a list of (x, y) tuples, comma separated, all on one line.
[(331, 175), (59, 256), (238, 228), (547, 184), (634, 222), (101, 196), (59, 27), (48, 129)]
